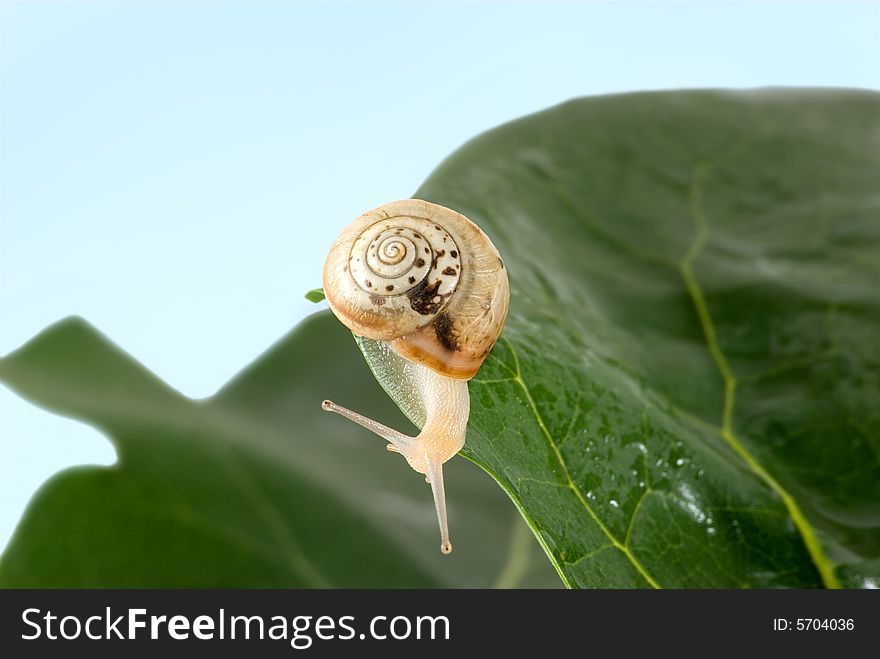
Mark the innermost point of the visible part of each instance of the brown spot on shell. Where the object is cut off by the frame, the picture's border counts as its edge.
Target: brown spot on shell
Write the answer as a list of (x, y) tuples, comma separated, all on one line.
[(412, 280), (420, 262), (389, 287), (443, 328), (453, 254), (423, 298), (438, 228), (368, 283), (449, 271), (427, 250), (440, 254)]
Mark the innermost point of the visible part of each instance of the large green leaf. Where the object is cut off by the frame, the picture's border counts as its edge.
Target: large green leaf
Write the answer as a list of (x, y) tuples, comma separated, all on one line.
[(254, 487), (687, 391)]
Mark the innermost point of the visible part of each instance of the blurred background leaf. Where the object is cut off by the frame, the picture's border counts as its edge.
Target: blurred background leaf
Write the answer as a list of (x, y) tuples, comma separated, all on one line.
[(687, 390), (254, 487)]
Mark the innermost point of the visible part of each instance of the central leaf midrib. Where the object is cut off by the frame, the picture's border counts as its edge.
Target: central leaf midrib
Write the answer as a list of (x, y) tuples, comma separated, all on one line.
[(824, 566)]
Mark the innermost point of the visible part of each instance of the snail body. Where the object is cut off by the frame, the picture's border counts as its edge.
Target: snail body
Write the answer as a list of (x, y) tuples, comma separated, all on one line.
[(429, 284)]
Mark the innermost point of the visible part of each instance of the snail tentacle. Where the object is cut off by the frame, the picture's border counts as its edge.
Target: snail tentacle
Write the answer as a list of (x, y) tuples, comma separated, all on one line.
[(398, 440), (435, 478)]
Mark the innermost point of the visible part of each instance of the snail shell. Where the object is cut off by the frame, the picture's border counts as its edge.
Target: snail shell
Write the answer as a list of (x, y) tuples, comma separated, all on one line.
[(423, 278)]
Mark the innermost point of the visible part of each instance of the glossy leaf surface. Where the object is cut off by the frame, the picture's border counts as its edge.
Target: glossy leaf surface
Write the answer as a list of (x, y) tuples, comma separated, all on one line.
[(687, 390)]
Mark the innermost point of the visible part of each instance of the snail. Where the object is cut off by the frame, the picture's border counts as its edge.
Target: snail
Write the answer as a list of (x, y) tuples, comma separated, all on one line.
[(429, 286)]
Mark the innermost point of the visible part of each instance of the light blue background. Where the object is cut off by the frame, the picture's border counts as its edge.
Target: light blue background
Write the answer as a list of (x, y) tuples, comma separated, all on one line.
[(175, 173)]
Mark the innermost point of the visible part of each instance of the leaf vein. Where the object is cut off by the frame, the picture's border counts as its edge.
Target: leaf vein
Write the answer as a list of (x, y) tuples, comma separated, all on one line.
[(699, 177), (569, 481)]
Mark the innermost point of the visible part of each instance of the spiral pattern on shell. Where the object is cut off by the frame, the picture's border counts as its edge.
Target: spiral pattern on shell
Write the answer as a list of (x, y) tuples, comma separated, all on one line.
[(423, 278), (394, 260)]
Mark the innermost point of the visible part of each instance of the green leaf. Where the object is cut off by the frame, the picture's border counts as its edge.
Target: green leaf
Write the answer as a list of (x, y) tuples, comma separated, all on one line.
[(254, 487), (315, 295), (687, 390)]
